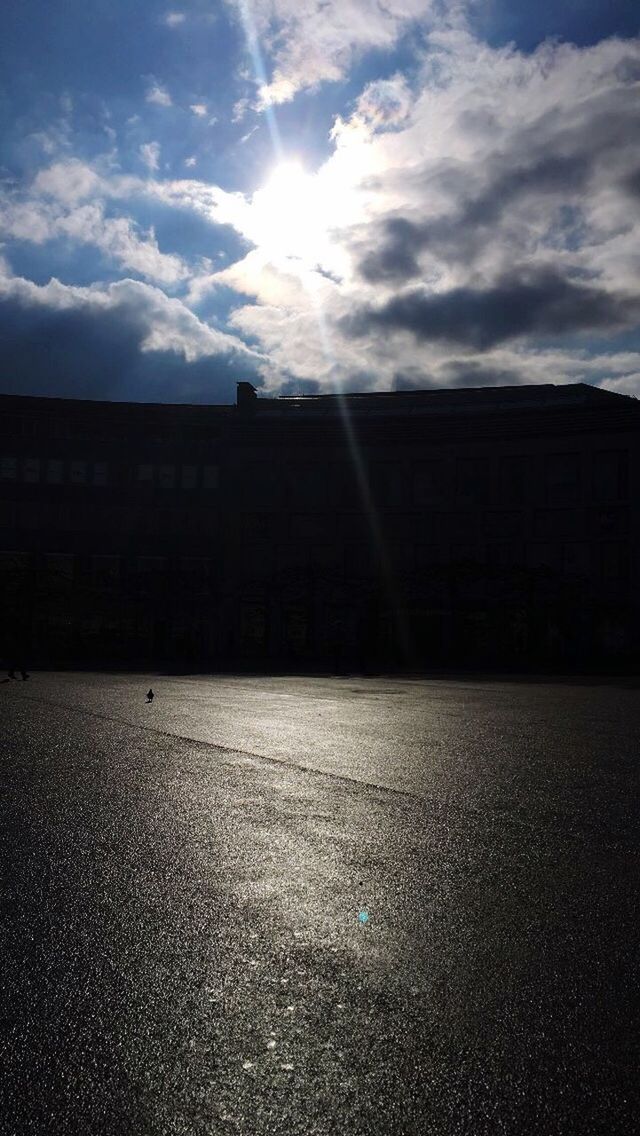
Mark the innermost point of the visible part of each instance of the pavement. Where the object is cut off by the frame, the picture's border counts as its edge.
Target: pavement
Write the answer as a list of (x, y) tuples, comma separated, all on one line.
[(318, 906)]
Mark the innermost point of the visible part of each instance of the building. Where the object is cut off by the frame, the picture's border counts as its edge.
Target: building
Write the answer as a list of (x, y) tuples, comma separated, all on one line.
[(470, 527)]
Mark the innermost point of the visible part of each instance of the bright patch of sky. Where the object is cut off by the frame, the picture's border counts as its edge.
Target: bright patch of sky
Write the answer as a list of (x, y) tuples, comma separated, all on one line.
[(319, 195)]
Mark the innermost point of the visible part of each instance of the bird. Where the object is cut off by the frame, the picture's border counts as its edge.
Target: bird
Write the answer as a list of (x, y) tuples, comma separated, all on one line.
[(149, 695)]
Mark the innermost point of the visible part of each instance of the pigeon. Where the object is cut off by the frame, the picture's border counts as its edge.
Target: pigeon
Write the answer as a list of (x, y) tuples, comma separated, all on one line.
[(149, 695)]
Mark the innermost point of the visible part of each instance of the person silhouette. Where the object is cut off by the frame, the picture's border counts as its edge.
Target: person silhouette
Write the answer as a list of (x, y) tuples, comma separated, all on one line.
[(149, 695)]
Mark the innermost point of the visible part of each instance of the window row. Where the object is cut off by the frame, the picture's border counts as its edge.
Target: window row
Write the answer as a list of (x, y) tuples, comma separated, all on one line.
[(167, 476), (56, 471), (53, 471), (558, 479)]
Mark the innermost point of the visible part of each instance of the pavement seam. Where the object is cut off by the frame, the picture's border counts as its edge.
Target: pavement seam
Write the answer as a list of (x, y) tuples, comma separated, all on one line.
[(585, 839)]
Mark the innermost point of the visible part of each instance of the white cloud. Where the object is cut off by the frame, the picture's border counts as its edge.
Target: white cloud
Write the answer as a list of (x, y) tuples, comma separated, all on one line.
[(199, 109), (315, 41), (174, 19), (166, 324), (55, 211), (158, 95), (190, 162), (150, 154), (502, 162), (70, 181)]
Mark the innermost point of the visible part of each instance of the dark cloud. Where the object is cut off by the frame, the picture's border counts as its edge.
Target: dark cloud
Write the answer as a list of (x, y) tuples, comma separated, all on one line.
[(632, 183), (97, 355), (542, 303), (543, 162)]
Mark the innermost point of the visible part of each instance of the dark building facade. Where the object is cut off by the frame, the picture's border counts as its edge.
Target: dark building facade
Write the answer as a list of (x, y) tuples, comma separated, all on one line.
[(459, 528)]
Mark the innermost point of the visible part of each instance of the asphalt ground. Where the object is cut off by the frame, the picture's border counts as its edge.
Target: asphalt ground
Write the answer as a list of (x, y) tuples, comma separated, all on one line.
[(318, 906)]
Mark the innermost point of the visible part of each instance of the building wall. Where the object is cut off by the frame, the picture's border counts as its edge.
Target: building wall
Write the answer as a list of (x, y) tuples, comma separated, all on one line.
[(222, 537)]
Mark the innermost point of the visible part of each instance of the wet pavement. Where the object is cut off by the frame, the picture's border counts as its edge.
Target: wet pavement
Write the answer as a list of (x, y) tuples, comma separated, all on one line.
[(318, 906)]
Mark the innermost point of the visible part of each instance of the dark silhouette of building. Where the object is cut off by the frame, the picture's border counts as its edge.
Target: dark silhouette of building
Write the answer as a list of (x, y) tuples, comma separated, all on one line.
[(468, 527)]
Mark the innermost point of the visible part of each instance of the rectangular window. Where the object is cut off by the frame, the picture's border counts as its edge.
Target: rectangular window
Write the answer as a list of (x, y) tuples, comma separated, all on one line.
[(99, 473), (472, 480), (54, 472), (307, 483), (78, 472), (426, 555), (611, 475), (145, 474), (386, 483), (210, 478), (104, 569), (563, 479), (614, 561), (59, 567), (12, 562), (8, 469), (167, 476), (513, 479), (504, 553), (253, 625), (547, 556), (428, 483), (189, 479), (195, 567), (149, 563), (576, 558), (31, 470)]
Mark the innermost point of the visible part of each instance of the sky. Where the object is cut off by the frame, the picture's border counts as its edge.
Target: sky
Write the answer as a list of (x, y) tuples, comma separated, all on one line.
[(317, 195)]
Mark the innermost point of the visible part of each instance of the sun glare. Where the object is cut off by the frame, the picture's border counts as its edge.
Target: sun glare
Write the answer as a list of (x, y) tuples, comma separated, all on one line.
[(293, 216)]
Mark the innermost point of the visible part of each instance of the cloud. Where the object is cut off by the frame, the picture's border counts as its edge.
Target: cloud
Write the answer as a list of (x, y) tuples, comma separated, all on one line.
[(162, 324), (190, 162), (55, 211), (70, 181), (316, 41), (150, 154), (199, 109), (542, 303), (174, 19), (158, 95)]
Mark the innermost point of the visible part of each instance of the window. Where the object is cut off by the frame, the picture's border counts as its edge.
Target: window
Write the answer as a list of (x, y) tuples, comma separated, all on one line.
[(428, 482), (610, 475), (104, 569), (196, 567), (563, 479), (31, 470), (8, 469), (12, 562), (167, 476), (145, 474), (99, 473), (210, 479), (548, 555), (307, 484), (427, 555), (576, 558), (472, 476), (189, 478), (386, 483), (503, 525), (614, 559), (504, 553), (513, 479), (149, 564), (59, 568), (78, 472), (54, 472)]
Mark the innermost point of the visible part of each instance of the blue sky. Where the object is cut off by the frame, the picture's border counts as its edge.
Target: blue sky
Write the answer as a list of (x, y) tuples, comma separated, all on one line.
[(317, 195)]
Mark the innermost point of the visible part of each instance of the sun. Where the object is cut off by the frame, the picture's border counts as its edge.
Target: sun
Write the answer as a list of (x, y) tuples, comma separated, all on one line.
[(285, 213), (294, 217)]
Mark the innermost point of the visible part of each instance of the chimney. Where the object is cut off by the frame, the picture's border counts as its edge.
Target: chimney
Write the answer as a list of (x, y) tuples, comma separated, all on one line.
[(246, 397)]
